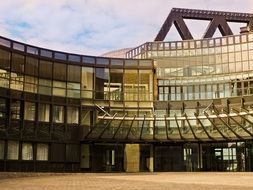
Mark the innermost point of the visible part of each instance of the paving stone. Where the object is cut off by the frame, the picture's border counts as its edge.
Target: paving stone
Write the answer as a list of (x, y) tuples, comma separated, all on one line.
[(128, 181)]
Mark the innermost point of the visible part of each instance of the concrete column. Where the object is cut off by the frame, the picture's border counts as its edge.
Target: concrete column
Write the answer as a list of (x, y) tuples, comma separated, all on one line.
[(132, 158), (151, 159)]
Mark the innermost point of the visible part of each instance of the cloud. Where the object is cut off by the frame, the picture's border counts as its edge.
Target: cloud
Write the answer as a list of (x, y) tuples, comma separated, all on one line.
[(95, 26)]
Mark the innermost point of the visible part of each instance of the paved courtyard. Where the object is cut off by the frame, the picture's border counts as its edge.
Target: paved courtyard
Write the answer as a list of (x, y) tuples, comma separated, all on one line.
[(123, 181)]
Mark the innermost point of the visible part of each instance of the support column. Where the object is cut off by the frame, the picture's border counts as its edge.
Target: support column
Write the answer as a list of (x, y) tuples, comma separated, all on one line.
[(151, 158), (132, 158)]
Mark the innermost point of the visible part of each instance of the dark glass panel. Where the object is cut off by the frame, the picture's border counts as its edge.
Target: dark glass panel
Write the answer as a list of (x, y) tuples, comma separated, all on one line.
[(102, 82), (5, 59), (89, 60), (45, 69), (31, 66), (102, 61), (46, 53), (74, 73), (60, 71), (18, 62), (74, 58)]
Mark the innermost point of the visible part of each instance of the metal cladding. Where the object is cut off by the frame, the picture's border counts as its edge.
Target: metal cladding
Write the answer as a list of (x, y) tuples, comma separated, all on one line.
[(218, 19)]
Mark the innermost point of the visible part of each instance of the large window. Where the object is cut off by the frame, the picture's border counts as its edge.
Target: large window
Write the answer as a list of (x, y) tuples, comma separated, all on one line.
[(60, 71), (5, 59), (15, 109), (146, 85), (44, 112), (87, 82), (131, 85), (31, 84), (72, 115), (18, 63), (42, 152), (59, 88), (29, 111), (45, 69), (17, 81), (31, 66), (102, 83), (13, 150), (74, 73), (58, 114), (45, 87), (116, 84), (27, 151)]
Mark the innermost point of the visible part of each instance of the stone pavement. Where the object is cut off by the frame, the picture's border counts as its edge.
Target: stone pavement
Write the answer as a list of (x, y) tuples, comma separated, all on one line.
[(128, 181)]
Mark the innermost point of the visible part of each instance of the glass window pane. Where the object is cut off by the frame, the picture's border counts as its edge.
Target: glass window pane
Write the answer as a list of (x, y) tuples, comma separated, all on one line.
[(5, 59), (45, 69), (27, 151), (102, 83), (116, 84), (74, 73), (58, 114), (102, 61), (29, 111), (15, 109), (72, 115), (42, 152), (60, 71), (131, 85), (13, 150), (87, 82), (44, 112), (18, 62), (31, 66)]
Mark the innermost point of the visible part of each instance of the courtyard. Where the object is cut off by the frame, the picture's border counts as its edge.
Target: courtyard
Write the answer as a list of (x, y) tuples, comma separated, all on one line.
[(126, 181)]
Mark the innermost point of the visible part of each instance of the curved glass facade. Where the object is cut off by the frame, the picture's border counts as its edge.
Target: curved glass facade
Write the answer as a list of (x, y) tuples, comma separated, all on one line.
[(169, 106)]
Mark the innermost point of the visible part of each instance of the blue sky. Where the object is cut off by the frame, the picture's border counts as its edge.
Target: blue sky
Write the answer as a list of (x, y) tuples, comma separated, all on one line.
[(93, 27)]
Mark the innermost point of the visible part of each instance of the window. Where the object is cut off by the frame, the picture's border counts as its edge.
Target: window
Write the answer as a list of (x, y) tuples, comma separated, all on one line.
[(17, 80), (45, 69), (116, 84), (74, 73), (87, 82), (59, 88), (102, 61), (29, 111), (102, 83), (58, 114), (5, 59), (44, 112), (13, 150), (42, 152), (73, 90), (31, 84), (60, 71), (72, 115), (31, 66), (2, 150), (27, 151), (18, 62), (131, 85), (15, 109), (45, 87), (2, 108)]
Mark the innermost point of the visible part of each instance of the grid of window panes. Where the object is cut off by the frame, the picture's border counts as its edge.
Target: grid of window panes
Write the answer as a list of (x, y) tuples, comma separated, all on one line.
[(120, 80), (204, 69)]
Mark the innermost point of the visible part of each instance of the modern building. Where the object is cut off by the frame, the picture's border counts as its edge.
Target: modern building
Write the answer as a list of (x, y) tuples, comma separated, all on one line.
[(169, 106)]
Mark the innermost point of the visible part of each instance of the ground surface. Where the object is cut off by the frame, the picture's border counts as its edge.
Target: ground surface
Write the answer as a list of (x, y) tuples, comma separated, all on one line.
[(123, 181)]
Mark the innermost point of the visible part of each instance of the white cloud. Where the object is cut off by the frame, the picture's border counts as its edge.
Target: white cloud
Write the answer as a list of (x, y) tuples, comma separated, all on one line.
[(95, 26)]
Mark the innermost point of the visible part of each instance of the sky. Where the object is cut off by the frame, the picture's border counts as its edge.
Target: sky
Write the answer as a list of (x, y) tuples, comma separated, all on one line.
[(93, 27)]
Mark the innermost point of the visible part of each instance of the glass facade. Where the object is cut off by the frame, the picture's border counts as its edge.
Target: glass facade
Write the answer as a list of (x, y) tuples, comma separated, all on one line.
[(170, 106)]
